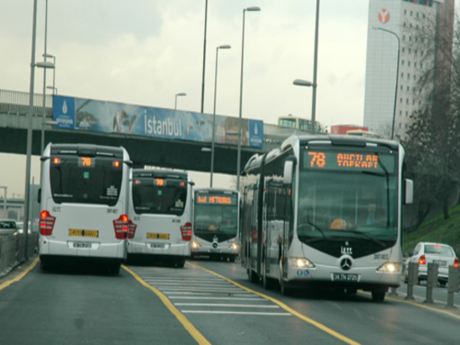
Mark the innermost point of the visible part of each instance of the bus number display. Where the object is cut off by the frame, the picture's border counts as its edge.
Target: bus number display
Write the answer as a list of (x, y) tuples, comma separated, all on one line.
[(214, 199), (342, 160)]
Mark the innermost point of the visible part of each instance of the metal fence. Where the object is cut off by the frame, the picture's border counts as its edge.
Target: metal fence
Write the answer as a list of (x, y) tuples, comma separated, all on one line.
[(12, 250)]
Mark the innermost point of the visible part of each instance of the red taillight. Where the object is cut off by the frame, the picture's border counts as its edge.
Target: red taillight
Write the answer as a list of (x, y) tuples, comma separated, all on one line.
[(123, 227), (186, 231), (422, 260), (456, 263), (46, 223)]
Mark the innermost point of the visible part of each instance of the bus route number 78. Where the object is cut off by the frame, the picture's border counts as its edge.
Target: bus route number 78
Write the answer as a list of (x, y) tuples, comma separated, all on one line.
[(317, 159)]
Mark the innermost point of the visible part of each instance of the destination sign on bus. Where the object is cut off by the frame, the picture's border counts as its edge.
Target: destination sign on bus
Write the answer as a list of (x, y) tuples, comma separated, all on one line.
[(215, 199), (348, 161)]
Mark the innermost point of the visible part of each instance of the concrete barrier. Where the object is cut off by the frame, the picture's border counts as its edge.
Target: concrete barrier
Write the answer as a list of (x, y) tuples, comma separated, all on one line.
[(12, 250)]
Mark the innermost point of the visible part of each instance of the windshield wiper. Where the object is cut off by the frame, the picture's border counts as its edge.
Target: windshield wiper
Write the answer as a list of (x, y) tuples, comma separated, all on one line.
[(367, 237), (316, 227)]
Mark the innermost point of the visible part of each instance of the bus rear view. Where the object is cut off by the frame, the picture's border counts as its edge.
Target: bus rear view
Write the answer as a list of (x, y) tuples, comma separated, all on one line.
[(160, 205), (83, 204)]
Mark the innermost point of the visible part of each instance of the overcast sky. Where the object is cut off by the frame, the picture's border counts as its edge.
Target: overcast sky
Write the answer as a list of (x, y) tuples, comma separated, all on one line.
[(144, 51)]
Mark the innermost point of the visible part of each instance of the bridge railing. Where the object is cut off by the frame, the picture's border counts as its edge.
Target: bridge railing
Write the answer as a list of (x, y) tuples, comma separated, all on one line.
[(17, 103)]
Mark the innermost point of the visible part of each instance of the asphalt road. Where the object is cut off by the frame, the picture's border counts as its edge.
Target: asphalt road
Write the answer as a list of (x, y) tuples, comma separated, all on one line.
[(358, 317), (90, 307), (86, 307)]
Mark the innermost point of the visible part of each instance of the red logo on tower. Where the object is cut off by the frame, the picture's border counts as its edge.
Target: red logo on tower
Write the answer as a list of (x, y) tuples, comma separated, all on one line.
[(384, 16)]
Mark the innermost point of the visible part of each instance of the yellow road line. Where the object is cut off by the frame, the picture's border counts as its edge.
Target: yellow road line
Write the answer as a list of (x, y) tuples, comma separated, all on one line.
[(18, 277), (294, 312), (194, 332), (426, 307)]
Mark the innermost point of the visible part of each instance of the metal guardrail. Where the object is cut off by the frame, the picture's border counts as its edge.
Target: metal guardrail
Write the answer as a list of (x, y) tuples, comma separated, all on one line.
[(12, 250)]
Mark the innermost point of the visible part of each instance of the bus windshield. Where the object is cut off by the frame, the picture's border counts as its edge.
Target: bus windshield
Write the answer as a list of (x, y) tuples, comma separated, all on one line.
[(216, 219), (159, 195), (358, 204), (85, 180)]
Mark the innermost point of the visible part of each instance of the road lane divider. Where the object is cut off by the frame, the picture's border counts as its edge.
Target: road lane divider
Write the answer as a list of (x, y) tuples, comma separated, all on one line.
[(189, 327), (284, 306), (19, 276)]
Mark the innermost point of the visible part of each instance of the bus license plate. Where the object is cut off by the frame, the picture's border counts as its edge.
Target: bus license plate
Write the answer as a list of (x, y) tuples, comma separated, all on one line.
[(157, 236), (82, 245), (83, 233), (157, 245), (345, 277)]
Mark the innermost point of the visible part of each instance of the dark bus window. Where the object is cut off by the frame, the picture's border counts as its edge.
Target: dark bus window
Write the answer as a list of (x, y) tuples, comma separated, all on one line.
[(85, 180), (159, 196)]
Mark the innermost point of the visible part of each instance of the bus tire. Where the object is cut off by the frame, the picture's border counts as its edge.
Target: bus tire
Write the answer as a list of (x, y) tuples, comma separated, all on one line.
[(179, 263), (253, 277), (378, 295), (285, 290), (114, 269), (44, 265)]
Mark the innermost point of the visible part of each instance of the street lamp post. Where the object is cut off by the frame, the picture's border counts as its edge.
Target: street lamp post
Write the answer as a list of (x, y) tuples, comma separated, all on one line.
[(397, 76), (180, 94), (238, 160), (45, 55), (29, 131), (225, 46), (204, 54), (45, 65), (315, 66)]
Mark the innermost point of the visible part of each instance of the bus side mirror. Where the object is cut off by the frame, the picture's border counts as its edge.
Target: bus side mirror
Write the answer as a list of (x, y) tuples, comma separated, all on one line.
[(409, 192), (39, 195), (288, 171)]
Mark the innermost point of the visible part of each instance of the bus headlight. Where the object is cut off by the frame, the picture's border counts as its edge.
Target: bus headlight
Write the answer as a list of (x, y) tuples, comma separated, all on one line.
[(234, 246), (301, 263), (390, 267), (195, 245)]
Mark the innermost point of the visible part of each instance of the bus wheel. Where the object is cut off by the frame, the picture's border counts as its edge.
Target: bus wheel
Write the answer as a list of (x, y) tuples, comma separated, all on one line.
[(179, 263), (232, 258), (114, 269), (378, 295), (253, 277), (285, 290), (44, 265)]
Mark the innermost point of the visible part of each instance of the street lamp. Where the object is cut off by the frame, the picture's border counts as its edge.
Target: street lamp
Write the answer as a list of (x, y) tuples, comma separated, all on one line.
[(225, 46), (49, 56), (29, 131), (238, 160), (397, 76), (45, 65), (315, 66), (180, 94), (305, 83)]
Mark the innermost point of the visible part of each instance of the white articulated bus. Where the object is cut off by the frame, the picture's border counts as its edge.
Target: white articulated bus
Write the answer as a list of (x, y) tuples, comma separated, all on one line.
[(160, 204), (215, 223), (84, 193), (325, 210)]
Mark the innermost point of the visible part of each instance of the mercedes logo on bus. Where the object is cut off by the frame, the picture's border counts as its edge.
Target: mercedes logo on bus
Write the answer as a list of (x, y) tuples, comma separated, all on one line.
[(345, 263)]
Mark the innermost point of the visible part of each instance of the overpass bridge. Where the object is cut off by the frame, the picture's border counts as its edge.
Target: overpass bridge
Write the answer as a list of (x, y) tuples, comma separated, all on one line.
[(152, 136)]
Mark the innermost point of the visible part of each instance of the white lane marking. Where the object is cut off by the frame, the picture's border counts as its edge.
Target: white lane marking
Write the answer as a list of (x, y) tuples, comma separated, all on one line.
[(234, 312), (240, 294), (167, 281), (220, 290), (217, 298), (189, 284), (230, 305)]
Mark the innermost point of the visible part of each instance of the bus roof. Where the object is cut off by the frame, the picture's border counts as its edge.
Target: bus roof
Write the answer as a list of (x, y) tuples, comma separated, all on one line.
[(87, 149)]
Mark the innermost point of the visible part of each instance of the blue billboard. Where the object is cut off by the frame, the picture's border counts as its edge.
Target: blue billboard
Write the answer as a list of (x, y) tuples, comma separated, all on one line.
[(110, 117)]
